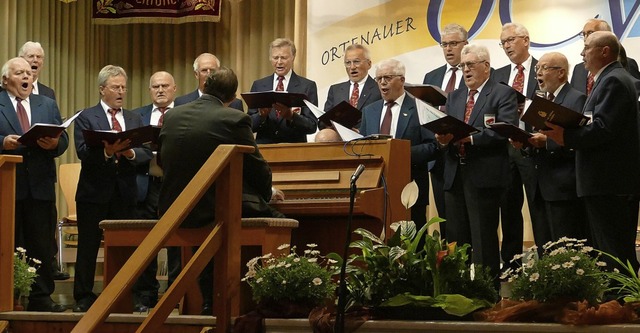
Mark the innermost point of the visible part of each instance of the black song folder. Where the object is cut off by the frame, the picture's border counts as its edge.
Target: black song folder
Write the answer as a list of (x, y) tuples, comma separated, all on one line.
[(138, 136), (428, 93), (542, 109), (266, 99), (512, 132), (343, 113)]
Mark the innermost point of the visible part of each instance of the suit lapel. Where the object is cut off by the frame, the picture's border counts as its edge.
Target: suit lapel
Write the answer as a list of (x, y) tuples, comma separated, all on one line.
[(407, 109), (369, 85), (36, 107), (9, 112), (479, 102), (562, 94)]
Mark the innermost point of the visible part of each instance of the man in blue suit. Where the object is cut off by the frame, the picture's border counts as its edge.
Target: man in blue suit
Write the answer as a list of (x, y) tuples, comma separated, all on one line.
[(453, 39), (107, 185), (202, 66), (607, 150), (520, 75), (33, 53), (555, 166), (396, 114), (476, 172), (360, 90), (162, 89), (280, 123), (35, 176)]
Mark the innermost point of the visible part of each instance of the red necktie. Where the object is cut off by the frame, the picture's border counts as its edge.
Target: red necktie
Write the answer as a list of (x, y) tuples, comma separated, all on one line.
[(22, 115), (115, 124), (280, 85), (589, 83), (162, 111), (355, 94), (518, 81), (385, 127), (451, 85), (467, 114)]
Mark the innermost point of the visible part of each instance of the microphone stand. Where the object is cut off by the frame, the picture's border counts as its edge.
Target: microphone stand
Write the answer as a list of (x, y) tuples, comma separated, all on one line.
[(342, 289)]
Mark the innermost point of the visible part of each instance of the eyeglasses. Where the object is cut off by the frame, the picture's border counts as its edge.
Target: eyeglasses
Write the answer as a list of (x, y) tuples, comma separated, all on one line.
[(444, 45), (355, 63), (469, 64), (585, 34), (509, 40), (545, 67), (205, 71), (386, 78), (117, 89)]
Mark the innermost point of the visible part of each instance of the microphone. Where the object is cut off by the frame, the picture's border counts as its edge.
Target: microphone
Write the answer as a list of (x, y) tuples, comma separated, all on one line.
[(357, 174)]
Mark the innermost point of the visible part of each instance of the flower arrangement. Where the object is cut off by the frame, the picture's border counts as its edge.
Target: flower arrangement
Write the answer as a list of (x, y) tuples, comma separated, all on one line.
[(292, 278), (24, 272), (567, 271)]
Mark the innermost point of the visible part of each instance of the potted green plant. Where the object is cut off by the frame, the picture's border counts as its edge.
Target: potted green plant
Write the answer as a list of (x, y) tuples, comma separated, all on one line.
[(401, 277), (289, 284), (24, 273)]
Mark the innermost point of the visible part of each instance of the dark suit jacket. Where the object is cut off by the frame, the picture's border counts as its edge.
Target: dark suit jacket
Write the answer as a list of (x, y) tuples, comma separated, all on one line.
[(436, 76), (555, 166), (607, 156), (423, 144), (46, 91), (142, 178), (192, 96), (502, 75), (340, 92), (487, 158), (579, 75), (189, 135), (277, 130), (100, 179), (36, 175)]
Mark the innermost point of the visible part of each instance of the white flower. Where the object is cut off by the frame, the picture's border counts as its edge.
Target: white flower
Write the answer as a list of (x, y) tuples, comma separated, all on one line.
[(580, 271), (283, 246), (250, 274), (313, 259), (575, 258), (534, 277), (36, 261), (586, 249), (331, 261), (315, 252), (517, 257), (253, 262), (284, 281), (554, 267), (280, 264), (287, 265), (267, 256), (21, 250), (296, 259), (506, 273), (601, 264), (259, 280), (317, 281), (530, 263), (307, 251), (31, 270), (616, 270), (312, 245), (568, 264)]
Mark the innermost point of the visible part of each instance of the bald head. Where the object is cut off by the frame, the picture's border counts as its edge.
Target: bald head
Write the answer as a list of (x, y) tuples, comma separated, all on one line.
[(600, 49), (162, 89)]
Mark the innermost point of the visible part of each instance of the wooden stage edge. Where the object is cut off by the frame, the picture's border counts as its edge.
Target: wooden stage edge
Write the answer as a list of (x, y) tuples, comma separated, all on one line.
[(57, 322)]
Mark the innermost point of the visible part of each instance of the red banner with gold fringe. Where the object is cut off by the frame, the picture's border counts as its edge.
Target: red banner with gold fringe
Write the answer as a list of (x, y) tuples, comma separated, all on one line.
[(155, 11)]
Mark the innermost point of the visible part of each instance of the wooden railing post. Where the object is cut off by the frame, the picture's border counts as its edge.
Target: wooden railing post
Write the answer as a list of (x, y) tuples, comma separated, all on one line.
[(224, 167), (7, 227)]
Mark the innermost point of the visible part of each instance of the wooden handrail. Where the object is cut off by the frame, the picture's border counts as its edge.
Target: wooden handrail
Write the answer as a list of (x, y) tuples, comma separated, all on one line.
[(224, 167), (7, 227)]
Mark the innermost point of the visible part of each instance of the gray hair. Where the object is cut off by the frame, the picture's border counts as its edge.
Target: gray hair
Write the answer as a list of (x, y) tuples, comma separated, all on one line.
[(5, 69), (109, 71), (365, 51), (397, 66), (29, 45), (282, 42), (455, 28), (601, 25), (196, 63), (480, 51), (519, 28)]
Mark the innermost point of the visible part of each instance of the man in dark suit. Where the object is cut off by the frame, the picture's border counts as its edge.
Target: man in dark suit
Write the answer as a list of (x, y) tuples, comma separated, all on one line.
[(281, 123), (33, 53), (189, 135), (477, 170), (555, 166), (107, 184), (202, 66), (162, 89), (607, 150), (520, 75), (396, 114), (35, 176), (453, 39), (580, 76), (360, 90)]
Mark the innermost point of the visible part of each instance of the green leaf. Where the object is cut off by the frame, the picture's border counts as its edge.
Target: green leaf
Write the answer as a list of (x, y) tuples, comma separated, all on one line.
[(111, 9), (368, 235)]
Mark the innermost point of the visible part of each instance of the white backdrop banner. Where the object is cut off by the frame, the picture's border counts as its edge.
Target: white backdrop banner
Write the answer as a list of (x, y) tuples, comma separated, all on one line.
[(409, 30)]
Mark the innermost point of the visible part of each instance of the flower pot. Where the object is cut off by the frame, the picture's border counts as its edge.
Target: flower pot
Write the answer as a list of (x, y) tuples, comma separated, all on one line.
[(409, 312), (17, 304), (285, 309)]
